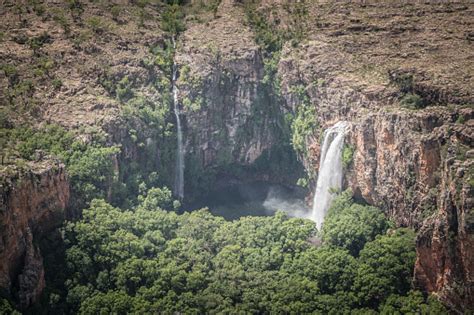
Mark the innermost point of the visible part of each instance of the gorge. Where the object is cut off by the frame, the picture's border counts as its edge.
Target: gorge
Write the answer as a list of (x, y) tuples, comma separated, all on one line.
[(360, 114)]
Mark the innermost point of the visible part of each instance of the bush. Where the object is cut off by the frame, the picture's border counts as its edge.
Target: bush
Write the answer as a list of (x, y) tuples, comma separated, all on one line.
[(172, 19), (96, 24), (38, 7), (6, 308), (76, 8), (404, 81), (412, 101), (11, 72), (61, 19), (115, 10), (347, 155), (57, 83), (123, 90), (270, 39), (303, 124), (36, 43)]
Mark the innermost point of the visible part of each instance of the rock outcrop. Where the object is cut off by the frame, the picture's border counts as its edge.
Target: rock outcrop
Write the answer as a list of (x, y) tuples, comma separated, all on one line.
[(32, 204)]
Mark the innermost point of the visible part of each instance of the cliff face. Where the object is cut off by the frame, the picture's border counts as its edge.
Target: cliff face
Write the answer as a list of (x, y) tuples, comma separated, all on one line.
[(415, 164), (445, 241), (32, 205), (220, 88)]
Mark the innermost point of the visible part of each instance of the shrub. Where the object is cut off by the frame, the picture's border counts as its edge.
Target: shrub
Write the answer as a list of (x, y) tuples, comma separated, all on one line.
[(76, 8), (461, 119), (38, 7), (96, 24), (80, 38), (123, 89), (412, 101), (404, 81), (172, 19), (61, 19), (270, 39), (11, 72), (347, 155), (45, 65), (36, 43), (302, 182), (302, 125), (115, 10), (57, 83)]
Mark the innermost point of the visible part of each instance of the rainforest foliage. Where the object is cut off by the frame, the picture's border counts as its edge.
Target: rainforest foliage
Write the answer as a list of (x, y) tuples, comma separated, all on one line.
[(150, 260)]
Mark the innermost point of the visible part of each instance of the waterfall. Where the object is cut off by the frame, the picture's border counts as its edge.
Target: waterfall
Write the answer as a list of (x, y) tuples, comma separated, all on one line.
[(330, 171), (179, 175)]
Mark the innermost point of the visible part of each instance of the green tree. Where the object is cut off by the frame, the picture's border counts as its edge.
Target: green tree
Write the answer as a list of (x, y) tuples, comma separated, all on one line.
[(386, 267), (413, 303), (172, 19), (350, 225), (332, 268)]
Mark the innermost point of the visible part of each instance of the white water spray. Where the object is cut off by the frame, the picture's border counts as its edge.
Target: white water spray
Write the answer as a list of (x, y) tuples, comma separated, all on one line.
[(330, 171), (179, 176), (277, 199)]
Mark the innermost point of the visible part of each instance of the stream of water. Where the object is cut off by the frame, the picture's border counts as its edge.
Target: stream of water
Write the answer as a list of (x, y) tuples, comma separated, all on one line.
[(179, 175)]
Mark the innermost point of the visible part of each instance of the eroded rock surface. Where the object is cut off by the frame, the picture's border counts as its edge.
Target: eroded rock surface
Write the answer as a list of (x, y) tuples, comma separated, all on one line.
[(32, 205)]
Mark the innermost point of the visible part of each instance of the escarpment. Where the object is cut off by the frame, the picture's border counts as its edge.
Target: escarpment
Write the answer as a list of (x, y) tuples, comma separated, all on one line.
[(416, 164), (32, 206), (402, 82)]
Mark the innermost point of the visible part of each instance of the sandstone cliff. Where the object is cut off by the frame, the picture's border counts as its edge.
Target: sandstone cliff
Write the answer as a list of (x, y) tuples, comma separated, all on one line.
[(32, 205)]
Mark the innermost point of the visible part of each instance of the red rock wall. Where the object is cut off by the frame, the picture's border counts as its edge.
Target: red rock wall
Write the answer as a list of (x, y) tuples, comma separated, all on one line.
[(32, 204)]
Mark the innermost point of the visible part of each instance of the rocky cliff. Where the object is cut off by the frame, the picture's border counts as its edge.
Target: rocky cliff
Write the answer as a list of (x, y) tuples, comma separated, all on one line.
[(220, 77), (32, 205), (416, 163)]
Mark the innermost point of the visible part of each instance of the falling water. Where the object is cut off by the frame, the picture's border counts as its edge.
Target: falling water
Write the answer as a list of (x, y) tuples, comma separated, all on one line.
[(179, 179), (330, 171)]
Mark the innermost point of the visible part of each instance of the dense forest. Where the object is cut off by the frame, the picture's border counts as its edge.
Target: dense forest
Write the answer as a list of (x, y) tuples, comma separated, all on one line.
[(150, 260)]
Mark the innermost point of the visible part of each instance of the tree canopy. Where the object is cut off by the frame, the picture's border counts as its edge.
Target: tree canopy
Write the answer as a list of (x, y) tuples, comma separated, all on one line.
[(150, 260)]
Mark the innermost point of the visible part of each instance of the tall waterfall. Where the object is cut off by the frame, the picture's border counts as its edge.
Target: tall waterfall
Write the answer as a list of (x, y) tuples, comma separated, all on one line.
[(179, 175), (330, 171)]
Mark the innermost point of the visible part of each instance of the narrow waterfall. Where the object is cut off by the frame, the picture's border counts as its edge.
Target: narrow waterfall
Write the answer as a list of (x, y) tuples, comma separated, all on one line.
[(330, 171), (179, 175)]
